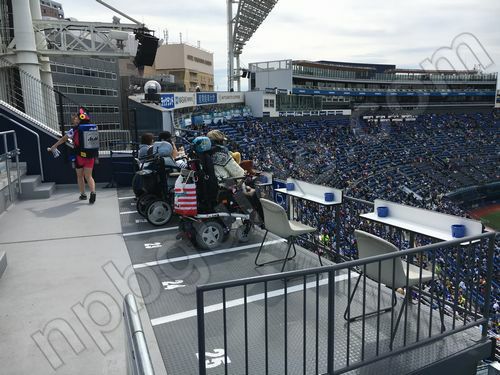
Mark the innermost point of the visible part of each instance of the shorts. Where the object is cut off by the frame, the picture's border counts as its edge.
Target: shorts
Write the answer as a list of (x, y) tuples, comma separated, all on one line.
[(87, 163)]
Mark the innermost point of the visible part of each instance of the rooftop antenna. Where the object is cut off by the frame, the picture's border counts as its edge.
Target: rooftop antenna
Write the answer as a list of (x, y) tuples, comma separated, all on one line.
[(180, 38), (165, 35), (199, 44)]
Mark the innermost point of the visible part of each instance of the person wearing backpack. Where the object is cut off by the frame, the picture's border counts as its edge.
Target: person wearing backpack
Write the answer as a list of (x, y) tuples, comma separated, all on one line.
[(86, 146), (146, 143)]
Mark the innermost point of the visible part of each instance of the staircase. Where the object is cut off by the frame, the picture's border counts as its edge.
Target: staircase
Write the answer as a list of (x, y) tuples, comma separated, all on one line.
[(33, 188)]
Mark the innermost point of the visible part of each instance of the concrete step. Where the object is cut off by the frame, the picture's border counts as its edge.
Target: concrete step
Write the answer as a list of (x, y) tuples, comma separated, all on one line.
[(3, 262), (32, 188), (44, 190), (29, 183)]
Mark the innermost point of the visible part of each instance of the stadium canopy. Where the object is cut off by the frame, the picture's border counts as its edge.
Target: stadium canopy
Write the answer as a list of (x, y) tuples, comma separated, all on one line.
[(249, 16)]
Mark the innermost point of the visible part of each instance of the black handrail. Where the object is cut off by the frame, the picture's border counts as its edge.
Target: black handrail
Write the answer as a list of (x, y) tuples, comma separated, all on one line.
[(340, 266), (453, 248)]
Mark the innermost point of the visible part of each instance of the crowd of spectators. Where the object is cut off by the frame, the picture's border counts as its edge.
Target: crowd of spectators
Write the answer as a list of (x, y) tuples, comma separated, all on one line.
[(415, 162), (410, 162)]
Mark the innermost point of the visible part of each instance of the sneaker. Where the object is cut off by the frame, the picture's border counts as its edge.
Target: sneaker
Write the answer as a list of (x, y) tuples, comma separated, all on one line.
[(83, 197), (92, 198)]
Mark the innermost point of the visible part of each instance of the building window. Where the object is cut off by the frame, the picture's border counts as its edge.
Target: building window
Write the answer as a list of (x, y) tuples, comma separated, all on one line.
[(88, 72), (85, 90), (269, 103)]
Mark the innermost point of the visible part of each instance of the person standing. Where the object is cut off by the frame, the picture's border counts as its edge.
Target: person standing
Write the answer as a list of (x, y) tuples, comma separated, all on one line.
[(86, 146)]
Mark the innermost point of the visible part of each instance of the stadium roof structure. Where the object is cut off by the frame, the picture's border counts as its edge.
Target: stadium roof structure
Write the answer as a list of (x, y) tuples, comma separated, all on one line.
[(249, 16)]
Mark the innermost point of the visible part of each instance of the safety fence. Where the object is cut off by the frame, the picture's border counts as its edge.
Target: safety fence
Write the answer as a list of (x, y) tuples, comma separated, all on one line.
[(51, 108), (114, 140), (339, 318), (335, 241), (122, 156)]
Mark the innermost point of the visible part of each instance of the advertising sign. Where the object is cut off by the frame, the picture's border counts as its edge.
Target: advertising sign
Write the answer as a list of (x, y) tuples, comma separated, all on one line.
[(184, 99), (230, 97), (206, 98), (167, 101), (190, 99)]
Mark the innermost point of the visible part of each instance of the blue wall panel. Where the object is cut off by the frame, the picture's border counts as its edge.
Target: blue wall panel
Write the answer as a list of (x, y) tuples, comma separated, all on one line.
[(56, 170)]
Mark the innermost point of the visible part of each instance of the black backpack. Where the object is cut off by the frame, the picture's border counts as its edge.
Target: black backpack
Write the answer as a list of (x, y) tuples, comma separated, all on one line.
[(206, 184)]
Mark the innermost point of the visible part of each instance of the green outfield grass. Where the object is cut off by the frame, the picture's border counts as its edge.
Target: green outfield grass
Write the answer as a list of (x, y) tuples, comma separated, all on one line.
[(492, 220)]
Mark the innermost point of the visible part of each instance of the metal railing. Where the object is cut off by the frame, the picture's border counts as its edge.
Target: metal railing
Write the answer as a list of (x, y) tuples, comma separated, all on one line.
[(28, 94), (138, 359), (377, 89), (488, 369), (121, 156), (376, 332), (113, 139), (335, 236), (336, 226), (37, 143), (52, 108), (6, 157)]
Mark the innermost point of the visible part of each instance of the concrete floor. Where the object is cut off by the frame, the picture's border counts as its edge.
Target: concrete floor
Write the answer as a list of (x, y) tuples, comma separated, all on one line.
[(169, 270), (61, 294), (69, 268)]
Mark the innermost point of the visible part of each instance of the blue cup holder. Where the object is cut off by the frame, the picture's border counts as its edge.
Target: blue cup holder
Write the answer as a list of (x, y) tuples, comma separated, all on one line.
[(263, 179), (290, 186), (382, 211), (329, 197), (458, 230)]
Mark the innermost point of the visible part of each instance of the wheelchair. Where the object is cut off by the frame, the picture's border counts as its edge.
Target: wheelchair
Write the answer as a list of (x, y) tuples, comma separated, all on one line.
[(217, 211), (153, 186)]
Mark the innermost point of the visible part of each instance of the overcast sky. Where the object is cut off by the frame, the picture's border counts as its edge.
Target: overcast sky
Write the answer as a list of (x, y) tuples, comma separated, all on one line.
[(404, 33)]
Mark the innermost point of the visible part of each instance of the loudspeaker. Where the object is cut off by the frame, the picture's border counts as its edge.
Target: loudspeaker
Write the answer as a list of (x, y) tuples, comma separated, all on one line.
[(146, 50)]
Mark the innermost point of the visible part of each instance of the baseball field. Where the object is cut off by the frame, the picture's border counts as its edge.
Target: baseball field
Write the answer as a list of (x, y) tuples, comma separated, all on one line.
[(489, 216)]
